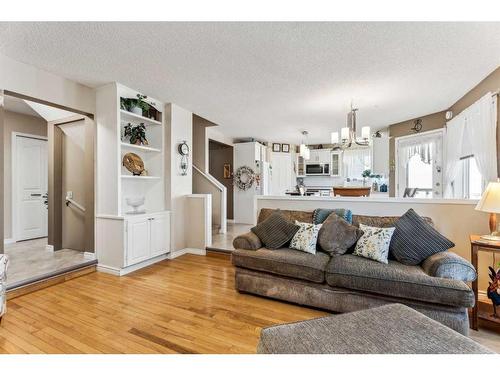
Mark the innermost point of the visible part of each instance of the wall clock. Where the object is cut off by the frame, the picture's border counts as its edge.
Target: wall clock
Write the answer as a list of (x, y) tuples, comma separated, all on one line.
[(183, 148)]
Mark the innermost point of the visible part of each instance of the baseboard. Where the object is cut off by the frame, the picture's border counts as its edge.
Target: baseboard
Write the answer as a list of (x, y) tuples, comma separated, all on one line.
[(8, 241), (87, 255), (126, 270), (187, 250), (49, 248)]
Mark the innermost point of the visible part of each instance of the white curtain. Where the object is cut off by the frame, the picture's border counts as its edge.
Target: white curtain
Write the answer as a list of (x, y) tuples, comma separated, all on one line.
[(472, 132), (356, 161), (424, 146), (481, 133), (453, 143)]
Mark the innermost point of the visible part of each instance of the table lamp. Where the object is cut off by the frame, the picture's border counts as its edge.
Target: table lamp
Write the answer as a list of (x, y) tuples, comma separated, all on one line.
[(490, 202)]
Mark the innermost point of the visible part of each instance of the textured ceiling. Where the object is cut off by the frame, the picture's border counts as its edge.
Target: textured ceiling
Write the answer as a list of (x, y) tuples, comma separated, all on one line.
[(271, 80)]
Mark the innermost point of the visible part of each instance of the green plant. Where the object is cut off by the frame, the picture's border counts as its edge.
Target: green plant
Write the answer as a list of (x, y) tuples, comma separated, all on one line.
[(367, 173), (129, 103), (137, 133)]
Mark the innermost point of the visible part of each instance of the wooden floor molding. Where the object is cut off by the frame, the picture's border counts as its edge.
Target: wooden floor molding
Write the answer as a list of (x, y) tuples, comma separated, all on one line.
[(185, 305), (29, 288)]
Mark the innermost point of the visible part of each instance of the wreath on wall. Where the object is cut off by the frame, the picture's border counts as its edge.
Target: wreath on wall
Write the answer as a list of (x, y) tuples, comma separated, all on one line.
[(244, 178)]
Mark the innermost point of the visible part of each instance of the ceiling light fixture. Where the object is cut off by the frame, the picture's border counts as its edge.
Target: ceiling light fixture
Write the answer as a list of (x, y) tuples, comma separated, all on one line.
[(348, 136), (303, 149)]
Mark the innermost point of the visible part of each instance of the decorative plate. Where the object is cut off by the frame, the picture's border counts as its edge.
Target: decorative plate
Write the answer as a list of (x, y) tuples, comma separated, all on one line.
[(133, 163)]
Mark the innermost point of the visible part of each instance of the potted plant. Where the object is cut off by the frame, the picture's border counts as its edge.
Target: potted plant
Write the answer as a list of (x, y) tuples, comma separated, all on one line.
[(367, 173), (137, 133), (136, 105)]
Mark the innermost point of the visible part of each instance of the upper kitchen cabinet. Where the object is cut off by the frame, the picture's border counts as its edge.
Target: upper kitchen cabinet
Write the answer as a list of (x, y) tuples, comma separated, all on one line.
[(320, 156), (336, 164)]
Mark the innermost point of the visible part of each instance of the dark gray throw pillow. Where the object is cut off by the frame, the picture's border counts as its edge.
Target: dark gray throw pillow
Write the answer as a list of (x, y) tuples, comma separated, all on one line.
[(414, 240), (336, 235), (275, 231)]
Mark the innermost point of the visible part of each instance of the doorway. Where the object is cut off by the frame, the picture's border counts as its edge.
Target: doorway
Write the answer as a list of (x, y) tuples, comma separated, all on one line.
[(48, 189), (419, 165), (220, 166)]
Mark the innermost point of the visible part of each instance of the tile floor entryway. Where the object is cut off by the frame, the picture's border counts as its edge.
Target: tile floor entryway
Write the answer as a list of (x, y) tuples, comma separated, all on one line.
[(30, 261), (224, 241)]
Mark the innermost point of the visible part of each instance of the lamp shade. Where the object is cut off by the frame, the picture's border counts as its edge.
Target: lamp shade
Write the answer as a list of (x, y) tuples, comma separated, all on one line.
[(344, 134), (334, 137), (365, 132), (490, 201)]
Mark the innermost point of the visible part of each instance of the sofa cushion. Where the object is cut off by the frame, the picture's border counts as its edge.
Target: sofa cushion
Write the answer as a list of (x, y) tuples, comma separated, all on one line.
[(321, 214), (248, 241), (302, 216), (285, 262), (275, 231), (397, 280), (336, 235), (306, 237), (414, 240)]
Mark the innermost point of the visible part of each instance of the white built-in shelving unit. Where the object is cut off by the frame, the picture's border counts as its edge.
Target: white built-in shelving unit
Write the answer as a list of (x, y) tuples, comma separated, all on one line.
[(126, 241)]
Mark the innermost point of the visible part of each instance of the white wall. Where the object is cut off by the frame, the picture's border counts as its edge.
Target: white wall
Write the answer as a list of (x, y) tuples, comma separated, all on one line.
[(381, 154), (244, 209), (28, 80), (457, 220), (178, 128)]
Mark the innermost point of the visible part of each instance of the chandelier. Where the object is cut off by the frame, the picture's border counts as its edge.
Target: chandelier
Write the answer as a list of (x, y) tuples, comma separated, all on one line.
[(348, 136), (304, 151)]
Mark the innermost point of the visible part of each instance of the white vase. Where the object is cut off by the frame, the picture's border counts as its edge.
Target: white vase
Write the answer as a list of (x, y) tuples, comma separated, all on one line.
[(136, 110)]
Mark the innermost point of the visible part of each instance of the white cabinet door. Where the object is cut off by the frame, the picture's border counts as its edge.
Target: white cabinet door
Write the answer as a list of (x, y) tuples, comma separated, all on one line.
[(160, 234), (138, 241), (336, 164), (324, 156)]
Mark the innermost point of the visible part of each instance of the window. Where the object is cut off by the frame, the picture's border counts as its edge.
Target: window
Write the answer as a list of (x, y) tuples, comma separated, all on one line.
[(356, 161), (472, 181), (420, 176)]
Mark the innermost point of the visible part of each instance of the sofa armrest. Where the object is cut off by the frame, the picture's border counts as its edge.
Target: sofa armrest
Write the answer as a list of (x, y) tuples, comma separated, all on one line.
[(449, 266), (247, 241)]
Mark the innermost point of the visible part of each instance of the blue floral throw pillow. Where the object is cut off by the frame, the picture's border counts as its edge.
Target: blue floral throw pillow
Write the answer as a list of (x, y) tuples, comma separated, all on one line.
[(306, 237), (374, 243)]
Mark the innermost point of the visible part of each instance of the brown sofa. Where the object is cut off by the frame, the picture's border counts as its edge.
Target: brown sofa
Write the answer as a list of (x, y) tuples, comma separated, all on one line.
[(344, 283)]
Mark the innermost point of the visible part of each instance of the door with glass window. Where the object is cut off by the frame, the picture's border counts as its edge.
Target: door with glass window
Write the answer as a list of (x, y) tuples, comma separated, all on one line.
[(419, 165)]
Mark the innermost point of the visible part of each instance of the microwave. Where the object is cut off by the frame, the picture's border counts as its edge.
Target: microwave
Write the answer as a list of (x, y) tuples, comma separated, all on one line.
[(318, 169)]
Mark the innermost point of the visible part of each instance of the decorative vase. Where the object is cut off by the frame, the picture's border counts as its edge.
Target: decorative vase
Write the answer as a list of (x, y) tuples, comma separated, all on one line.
[(136, 110)]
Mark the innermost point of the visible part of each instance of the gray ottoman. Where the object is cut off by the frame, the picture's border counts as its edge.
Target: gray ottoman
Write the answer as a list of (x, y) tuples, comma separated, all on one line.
[(387, 329)]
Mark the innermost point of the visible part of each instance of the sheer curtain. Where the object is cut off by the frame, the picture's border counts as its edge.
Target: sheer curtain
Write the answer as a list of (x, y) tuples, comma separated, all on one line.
[(480, 130), (472, 132), (356, 161), (425, 146), (453, 143)]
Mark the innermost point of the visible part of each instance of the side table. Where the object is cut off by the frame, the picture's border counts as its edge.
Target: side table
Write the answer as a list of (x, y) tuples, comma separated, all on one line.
[(476, 245)]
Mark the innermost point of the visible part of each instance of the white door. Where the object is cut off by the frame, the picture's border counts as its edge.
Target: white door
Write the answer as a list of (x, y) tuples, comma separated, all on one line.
[(281, 173), (160, 241), (419, 160), (31, 187), (138, 241)]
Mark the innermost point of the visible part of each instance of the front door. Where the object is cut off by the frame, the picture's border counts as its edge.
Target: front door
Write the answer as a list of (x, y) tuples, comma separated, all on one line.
[(31, 187)]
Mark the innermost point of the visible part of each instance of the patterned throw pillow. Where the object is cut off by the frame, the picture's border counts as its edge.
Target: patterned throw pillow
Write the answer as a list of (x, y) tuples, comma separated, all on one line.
[(320, 214), (415, 240), (275, 231), (306, 237), (374, 243)]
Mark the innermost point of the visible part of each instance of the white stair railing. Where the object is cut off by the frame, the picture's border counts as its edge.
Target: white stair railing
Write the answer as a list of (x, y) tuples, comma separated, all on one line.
[(222, 190)]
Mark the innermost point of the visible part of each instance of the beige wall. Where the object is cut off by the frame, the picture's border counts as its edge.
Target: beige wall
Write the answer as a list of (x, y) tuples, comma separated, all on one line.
[(15, 122), (73, 179), (429, 122), (219, 155), (1, 173)]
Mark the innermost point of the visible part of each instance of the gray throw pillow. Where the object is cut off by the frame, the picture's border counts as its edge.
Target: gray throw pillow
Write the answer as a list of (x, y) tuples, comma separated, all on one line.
[(336, 235), (414, 240), (275, 231)]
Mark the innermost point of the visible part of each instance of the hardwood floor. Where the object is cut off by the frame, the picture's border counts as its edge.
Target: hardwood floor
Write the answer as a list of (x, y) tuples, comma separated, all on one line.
[(187, 305)]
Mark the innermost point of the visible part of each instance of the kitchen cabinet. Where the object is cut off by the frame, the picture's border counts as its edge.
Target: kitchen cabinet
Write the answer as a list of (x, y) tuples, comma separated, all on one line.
[(321, 156), (336, 164), (301, 166)]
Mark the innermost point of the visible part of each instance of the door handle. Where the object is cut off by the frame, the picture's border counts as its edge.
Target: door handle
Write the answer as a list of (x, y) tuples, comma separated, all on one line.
[(36, 195)]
